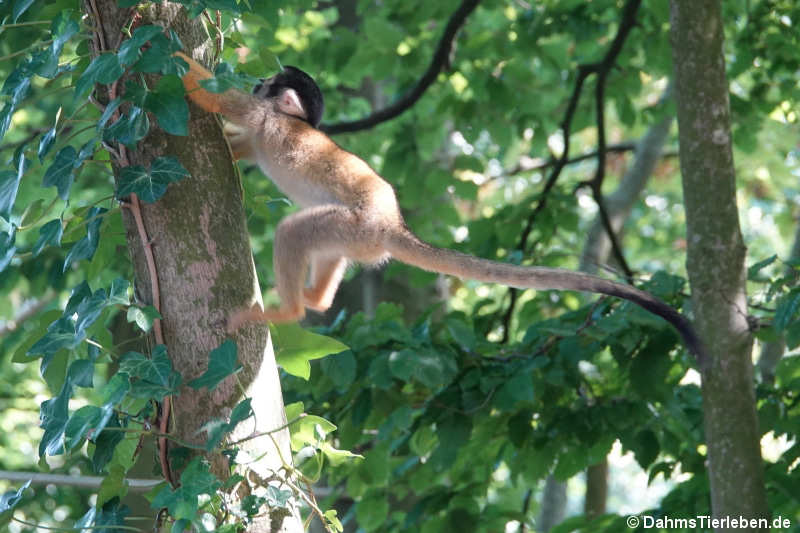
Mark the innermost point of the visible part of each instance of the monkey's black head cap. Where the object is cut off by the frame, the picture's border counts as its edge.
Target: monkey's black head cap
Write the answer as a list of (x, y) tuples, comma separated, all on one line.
[(305, 87)]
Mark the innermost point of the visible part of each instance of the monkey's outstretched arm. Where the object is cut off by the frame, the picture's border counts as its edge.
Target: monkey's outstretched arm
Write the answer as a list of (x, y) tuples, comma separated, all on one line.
[(233, 104)]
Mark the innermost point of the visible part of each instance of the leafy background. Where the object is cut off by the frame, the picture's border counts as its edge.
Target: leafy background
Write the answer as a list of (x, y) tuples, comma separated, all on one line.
[(458, 413)]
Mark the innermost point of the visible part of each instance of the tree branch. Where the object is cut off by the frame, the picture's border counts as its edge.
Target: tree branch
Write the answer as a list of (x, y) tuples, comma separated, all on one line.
[(601, 69), (437, 64)]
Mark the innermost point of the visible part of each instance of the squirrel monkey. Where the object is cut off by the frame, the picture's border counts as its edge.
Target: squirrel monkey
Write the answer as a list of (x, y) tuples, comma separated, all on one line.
[(348, 212)]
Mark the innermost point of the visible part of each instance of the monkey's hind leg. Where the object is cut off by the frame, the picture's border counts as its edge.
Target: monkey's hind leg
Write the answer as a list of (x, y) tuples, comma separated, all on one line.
[(326, 275), (331, 231)]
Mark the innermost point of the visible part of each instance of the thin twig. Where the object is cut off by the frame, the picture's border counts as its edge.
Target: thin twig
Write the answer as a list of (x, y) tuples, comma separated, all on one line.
[(601, 69), (438, 63)]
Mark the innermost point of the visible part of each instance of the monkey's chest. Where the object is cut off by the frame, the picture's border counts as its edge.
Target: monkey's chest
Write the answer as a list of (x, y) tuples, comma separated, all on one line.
[(298, 183)]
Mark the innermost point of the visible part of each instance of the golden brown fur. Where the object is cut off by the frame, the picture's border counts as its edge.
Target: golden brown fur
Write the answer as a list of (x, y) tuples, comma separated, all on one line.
[(350, 213)]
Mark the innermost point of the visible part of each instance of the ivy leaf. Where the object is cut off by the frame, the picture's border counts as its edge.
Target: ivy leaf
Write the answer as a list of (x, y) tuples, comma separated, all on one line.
[(159, 58), (9, 185), (60, 334), (11, 498), (53, 416), (221, 364), (128, 129), (80, 423), (7, 248), (182, 503), (46, 143), (295, 347), (62, 29), (20, 6), (107, 112), (217, 429), (150, 185), (169, 106), (143, 316), (129, 50), (151, 378), (85, 248), (105, 68), (118, 293), (61, 172)]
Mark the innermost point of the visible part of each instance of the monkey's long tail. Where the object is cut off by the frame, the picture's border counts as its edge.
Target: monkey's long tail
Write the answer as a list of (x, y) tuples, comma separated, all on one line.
[(409, 249)]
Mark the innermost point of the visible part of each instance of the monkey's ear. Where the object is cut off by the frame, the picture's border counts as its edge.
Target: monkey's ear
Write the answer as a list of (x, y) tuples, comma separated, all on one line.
[(290, 103)]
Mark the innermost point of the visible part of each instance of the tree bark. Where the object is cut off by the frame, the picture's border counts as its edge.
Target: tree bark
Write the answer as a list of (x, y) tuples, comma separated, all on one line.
[(204, 267), (715, 261)]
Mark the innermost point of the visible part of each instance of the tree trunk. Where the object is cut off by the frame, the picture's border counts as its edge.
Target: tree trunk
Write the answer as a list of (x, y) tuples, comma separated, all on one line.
[(554, 504), (715, 261), (204, 265)]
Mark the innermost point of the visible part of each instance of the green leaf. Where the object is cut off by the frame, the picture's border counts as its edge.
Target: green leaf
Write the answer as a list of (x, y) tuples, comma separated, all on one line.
[(60, 334), (159, 58), (107, 112), (9, 185), (129, 128), (182, 503), (7, 248), (60, 173), (11, 498), (53, 417), (129, 50), (430, 368), (85, 247), (295, 347), (169, 106), (340, 368), (786, 310), (151, 378), (221, 364), (105, 68), (372, 511), (20, 6), (453, 432), (754, 270), (49, 235), (150, 185), (62, 29), (217, 429), (46, 143), (309, 430), (80, 424), (143, 317), (118, 292)]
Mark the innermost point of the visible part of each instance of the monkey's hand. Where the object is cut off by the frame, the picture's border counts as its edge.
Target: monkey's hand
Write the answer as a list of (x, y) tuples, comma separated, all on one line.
[(233, 104)]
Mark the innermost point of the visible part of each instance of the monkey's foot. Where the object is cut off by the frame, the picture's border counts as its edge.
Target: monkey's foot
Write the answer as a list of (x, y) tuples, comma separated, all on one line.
[(256, 315), (316, 301)]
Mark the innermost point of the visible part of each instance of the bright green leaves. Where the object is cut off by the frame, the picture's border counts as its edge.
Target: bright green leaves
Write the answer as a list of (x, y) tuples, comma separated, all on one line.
[(104, 68), (217, 429), (10, 499), (61, 172), (183, 502), (86, 246), (129, 128), (221, 364), (309, 432), (143, 316), (168, 104), (431, 368), (9, 186), (150, 185), (151, 377), (295, 347)]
